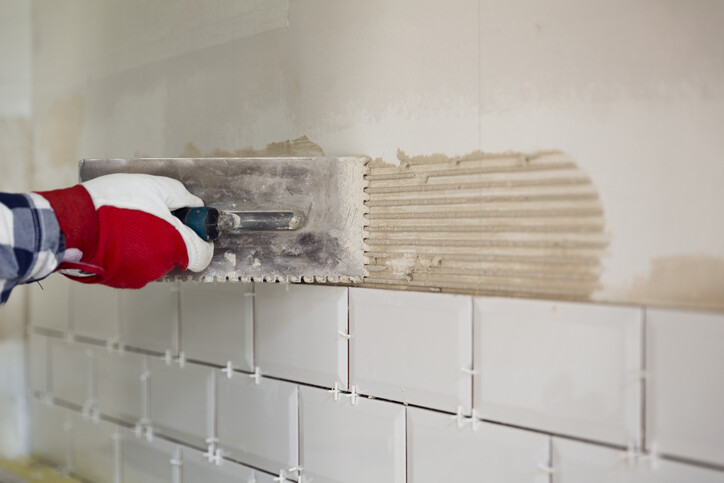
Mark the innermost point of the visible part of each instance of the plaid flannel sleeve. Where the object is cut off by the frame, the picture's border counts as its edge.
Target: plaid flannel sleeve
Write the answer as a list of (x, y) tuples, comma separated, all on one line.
[(31, 243)]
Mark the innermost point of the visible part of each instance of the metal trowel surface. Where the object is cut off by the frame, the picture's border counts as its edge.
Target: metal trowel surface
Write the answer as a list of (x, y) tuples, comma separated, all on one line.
[(326, 193)]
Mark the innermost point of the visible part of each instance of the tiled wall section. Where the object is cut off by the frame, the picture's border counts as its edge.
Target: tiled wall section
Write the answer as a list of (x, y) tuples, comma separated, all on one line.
[(327, 384)]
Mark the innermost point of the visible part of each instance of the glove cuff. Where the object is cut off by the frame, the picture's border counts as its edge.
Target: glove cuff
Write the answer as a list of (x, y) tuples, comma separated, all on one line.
[(77, 218)]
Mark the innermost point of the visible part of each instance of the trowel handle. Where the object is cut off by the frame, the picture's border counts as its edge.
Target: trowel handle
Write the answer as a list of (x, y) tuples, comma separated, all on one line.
[(204, 221)]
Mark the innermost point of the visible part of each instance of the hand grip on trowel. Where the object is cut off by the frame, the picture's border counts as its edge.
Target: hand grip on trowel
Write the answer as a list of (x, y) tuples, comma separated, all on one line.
[(210, 223)]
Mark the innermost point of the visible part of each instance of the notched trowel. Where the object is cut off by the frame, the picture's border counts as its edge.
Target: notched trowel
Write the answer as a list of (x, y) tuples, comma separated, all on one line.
[(272, 219)]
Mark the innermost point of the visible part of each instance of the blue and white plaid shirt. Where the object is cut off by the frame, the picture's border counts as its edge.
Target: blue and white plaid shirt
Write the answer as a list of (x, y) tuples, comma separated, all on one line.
[(31, 243)]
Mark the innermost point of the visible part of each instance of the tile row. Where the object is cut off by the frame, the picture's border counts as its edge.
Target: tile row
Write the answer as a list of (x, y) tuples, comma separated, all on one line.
[(573, 369), (361, 441)]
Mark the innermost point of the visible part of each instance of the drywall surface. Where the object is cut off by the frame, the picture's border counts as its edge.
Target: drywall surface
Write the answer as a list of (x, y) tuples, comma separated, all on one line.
[(631, 92)]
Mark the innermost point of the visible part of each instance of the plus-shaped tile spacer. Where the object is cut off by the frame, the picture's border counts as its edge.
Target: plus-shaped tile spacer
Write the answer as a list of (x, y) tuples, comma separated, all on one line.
[(228, 370), (256, 376), (353, 395), (335, 391)]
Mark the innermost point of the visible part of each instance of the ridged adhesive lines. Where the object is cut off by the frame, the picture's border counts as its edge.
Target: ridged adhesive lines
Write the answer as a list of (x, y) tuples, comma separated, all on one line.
[(498, 224)]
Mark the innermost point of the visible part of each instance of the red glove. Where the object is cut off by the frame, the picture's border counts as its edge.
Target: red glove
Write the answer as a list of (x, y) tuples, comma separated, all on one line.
[(119, 230)]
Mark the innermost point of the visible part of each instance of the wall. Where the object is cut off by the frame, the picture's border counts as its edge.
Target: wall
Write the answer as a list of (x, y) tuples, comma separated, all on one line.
[(15, 157), (630, 92)]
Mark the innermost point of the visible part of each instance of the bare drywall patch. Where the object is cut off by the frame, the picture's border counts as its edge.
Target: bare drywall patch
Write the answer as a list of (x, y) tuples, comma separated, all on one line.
[(508, 224), (682, 280), (59, 131), (300, 146)]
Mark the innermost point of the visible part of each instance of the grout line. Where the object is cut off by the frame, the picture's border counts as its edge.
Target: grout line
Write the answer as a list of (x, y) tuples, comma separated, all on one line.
[(179, 327), (472, 355), (253, 325), (643, 386), (550, 459), (349, 345), (407, 447)]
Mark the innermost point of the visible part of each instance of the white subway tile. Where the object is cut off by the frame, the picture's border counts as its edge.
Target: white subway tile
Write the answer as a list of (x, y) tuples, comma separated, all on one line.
[(149, 461), (441, 450), (182, 401), (120, 385), (354, 443), (566, 368), (149, 317), (258, 423), (94, 311), (685, 391), (50, 433), (412, 347), (38, 353), (71, 371), (217, 323), (576, 462), (50, 303), (198, 469), (297, 331), (94, 449)]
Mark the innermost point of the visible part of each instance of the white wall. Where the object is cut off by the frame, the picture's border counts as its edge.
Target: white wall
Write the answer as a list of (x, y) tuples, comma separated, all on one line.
[(15, 157)]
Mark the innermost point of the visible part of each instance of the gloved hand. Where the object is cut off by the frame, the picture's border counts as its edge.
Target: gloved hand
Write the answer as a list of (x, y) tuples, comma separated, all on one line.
[(119, 230)]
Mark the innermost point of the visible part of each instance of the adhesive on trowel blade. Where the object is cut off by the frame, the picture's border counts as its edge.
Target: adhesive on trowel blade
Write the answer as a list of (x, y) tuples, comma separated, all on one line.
[(322, 198)]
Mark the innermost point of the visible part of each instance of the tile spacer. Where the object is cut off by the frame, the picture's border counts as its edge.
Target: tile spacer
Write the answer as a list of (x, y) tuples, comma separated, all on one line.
[(548, 470), (282, 477), (344, 335), (228, 370), (468, 371), (353, 395), (335, 391), (631, 455), (168, 358), (181, 359), (176, 462), (145, 375), (256, 376), (459, 418), (112, 343)]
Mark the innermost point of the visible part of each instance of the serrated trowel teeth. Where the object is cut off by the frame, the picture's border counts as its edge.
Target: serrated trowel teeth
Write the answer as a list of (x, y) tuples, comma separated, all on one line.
[(319, 236)]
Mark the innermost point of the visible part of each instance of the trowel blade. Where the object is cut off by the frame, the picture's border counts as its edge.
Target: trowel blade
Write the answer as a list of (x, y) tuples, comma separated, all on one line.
[(328, 192)]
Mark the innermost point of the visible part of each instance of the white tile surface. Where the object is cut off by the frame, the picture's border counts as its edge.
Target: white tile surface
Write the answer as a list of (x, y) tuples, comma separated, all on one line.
[(560, 367), (217, 323), (94, 311), (38, 362), (182, 401), (684, 392), (50, 303), (257, 424), (71, 371), (197, 469), (576, 462), (149, 462), (120, 389), (297, 332), (411, 347), (94, 449), (149, 317), (438, 450), (49, 435), (351, 443)]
